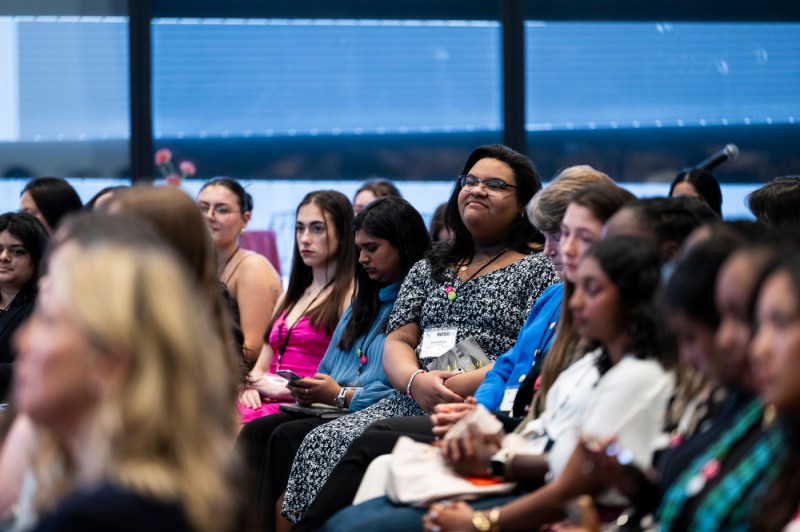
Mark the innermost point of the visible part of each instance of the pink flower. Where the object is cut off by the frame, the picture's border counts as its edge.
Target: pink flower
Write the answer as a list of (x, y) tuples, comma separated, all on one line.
[(174, 180), (187, 168), (163, 156)]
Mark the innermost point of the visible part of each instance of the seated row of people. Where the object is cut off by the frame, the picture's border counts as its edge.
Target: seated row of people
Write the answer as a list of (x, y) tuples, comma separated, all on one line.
[(495, 285)]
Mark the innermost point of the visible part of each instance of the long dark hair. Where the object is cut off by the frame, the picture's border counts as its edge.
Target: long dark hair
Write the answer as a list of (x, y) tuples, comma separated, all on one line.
[(704, 183), (394, 219), (521, 234), (54, 197), (634, 266), (338, 208), (26, 228)]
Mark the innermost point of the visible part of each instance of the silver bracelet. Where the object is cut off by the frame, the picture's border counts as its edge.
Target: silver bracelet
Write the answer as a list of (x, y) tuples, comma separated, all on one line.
[(410, 381)]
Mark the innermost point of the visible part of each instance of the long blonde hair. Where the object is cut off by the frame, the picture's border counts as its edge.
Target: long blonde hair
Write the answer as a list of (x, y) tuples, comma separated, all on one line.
[(165, 431)]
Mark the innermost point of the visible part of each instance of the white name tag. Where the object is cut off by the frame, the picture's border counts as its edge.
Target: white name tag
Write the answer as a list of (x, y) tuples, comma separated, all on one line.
[(436, 342), (508, 399)]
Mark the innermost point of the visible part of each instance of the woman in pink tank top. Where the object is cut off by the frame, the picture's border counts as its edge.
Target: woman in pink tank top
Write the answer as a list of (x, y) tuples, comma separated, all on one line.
[(320, 287)]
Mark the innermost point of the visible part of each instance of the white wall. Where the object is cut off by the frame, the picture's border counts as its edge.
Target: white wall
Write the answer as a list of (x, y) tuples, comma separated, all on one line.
[(276, 201)]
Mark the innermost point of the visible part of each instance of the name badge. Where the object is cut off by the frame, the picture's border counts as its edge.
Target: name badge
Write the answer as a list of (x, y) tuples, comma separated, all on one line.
[(508, 399), (436, 342)]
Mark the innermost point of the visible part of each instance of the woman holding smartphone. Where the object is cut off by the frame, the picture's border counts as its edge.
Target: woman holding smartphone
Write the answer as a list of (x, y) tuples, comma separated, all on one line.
[(320, 287)]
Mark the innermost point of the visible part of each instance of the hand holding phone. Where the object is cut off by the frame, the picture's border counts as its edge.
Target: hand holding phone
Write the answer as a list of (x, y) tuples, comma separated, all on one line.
[(288, 374)]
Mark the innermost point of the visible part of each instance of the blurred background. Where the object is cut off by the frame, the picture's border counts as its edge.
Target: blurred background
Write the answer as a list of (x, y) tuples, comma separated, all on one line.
[(293, 96)]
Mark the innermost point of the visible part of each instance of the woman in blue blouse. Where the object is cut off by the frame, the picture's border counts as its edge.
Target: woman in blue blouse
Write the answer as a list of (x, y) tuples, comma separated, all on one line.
[(390, 236)]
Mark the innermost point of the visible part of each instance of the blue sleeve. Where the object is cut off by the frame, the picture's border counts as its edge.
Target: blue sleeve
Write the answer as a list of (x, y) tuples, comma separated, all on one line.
[(490, 392)]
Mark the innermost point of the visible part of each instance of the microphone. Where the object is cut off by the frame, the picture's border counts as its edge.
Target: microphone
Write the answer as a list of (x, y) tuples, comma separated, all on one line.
[(728, 153)]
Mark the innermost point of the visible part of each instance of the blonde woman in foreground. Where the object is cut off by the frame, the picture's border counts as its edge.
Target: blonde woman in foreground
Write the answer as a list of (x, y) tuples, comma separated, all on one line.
[(121, 374)]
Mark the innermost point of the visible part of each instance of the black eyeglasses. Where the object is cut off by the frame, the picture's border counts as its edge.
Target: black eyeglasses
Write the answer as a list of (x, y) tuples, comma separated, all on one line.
[(491, 185)]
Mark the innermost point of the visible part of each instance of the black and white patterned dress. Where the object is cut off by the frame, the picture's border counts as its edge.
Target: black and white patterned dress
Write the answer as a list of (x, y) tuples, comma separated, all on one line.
[(491, 308)]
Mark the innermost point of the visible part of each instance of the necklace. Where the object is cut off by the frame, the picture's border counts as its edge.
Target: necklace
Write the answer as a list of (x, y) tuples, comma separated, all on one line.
[(465, 266), (228, 261), (282, 344), (450, 291), (2, 310)]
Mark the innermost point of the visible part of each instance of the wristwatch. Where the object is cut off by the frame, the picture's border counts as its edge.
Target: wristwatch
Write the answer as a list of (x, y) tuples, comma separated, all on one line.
[(341, 398), (499, 465)]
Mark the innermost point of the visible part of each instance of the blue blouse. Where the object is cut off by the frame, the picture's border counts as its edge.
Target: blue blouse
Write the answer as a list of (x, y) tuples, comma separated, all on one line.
[(342, 366), (534, 339)]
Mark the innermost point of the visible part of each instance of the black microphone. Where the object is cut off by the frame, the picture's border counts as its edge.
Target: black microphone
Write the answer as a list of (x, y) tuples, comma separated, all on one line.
[(728, 153)]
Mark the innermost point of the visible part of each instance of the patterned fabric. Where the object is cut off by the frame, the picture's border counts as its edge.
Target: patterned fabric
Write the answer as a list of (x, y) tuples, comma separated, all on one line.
[(729, 503), (491, 308)]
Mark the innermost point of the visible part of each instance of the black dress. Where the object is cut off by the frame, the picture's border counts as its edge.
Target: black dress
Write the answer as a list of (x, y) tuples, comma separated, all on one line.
[(10, 319), (113, 509)]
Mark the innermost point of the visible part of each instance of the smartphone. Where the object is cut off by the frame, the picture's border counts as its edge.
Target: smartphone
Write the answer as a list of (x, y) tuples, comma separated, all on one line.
[(288, 374)]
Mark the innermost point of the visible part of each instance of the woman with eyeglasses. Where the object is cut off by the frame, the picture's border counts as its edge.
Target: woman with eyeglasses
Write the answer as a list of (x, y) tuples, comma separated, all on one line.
[(251, 281), (320, 288), (481, 286)]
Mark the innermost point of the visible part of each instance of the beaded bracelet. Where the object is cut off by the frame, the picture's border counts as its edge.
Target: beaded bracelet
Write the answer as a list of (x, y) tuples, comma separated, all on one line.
[(410, 381)]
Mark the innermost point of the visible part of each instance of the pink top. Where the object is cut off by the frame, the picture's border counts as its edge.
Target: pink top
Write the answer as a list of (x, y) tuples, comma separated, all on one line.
[(299, 350)]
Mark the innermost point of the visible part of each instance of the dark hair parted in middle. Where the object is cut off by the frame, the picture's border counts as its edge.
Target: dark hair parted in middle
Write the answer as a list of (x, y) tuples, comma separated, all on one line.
[(521, 234), (634, 266), (337, 208), (395, 220), (704, 183)]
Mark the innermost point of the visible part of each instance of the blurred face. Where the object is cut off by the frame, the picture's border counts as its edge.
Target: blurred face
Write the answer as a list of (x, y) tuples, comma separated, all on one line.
[(695, 342), (362, 199), (26, 204), (380, 259), (775, 352), (684, 189), (595, 304), (734, 285), (579, 230), (55, 374), (484, 211), (16, 264), (315, 241), (220, 207), (552, 250)]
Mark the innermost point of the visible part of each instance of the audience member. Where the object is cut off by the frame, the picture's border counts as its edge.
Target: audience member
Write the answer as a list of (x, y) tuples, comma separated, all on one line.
[(120, 372), (320, 287), (372, 189), (776, 203), (775, 359), (103, 197), (438, 230), (49, 199), (23, 241), (253, 284), (698, 183)]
